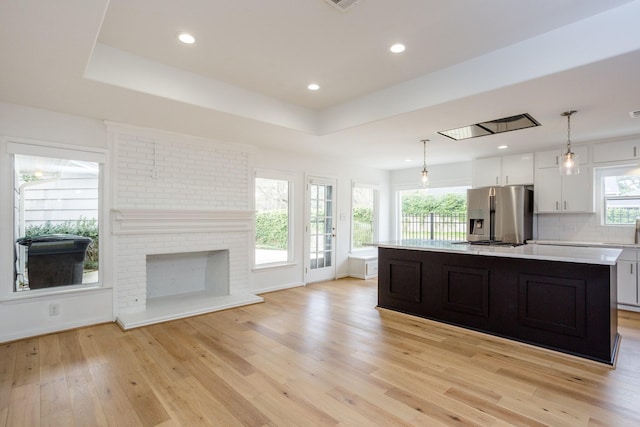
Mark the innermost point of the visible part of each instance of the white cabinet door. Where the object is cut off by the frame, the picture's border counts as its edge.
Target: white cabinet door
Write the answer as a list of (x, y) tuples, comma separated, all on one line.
[(551, 159), (577, 193), (486, 172), (517, 169), (615, 151), (547, 159), (547, 190), (556, 193), (627, 282)]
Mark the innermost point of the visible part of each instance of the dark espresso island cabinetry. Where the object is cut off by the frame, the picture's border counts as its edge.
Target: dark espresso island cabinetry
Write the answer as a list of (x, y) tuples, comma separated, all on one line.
[(562, 299)]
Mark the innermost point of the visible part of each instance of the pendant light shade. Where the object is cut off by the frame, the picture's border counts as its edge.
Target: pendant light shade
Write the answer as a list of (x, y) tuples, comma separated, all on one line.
[(424, 178), (570, 162)]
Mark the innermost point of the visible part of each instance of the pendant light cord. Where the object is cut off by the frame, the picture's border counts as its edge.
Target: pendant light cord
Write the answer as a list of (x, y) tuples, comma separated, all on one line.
[(424, 156), (569, 132), (569, 114)]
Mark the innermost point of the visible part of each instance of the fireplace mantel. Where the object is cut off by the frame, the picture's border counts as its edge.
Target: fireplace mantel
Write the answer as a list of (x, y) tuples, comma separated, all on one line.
[(142, 232), (155, 221)]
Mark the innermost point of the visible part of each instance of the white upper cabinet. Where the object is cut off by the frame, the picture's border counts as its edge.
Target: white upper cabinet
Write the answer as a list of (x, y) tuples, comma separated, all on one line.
[(516, 169), (562, 194), (486, 172), (551, 159), (616, 151), (555, 193)]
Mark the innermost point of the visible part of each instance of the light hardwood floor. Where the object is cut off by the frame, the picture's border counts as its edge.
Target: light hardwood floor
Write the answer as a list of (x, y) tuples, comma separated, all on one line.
[(316, 356)]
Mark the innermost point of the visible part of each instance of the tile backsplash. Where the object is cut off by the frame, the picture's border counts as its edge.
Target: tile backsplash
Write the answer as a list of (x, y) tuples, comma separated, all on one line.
[(580, 228)]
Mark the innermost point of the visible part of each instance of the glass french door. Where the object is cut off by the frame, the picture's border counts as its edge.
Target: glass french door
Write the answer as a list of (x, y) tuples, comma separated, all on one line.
[(320, 230)]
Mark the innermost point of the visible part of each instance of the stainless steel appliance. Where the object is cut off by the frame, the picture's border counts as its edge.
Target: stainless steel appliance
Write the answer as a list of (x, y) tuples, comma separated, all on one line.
[(500, 214)]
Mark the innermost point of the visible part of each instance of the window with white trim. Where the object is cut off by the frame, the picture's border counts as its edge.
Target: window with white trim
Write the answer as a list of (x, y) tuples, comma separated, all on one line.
[(619, 195), (56, 217), (273, 226), (364, 215)]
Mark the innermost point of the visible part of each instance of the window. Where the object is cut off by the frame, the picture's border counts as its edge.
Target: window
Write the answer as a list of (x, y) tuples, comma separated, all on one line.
[(364, 215), (619, 195), (56, 220), (273, 219), (433, 214)]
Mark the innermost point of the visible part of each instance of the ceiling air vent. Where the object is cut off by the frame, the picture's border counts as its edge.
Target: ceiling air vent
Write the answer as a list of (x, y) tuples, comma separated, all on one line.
[(635, 114), (342, 5)]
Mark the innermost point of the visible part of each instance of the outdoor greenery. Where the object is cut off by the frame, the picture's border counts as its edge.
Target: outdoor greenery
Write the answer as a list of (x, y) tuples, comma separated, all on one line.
[(83, 227), (362, 226), (440, 217), (417, 204), (622, 215), (272, 229)]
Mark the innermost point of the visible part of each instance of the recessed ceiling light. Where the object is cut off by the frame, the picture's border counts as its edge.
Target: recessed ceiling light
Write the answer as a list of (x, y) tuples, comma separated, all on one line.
[(186, 38), (397, 48), (408, 160), (313, 86), (502, 147)]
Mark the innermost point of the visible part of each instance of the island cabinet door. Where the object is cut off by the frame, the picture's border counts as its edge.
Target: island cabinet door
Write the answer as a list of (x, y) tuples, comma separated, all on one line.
[(466, 293), (568, 307), (400, 275)]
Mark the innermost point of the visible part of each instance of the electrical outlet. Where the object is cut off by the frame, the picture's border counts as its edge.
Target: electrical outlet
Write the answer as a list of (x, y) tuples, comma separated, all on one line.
[(54, 309)]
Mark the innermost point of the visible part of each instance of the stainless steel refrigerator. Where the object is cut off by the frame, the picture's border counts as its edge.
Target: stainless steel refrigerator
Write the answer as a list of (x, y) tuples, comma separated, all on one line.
[(500, 214)]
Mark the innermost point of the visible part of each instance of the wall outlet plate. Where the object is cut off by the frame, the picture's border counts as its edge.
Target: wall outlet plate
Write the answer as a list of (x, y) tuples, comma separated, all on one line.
[(54, 309)]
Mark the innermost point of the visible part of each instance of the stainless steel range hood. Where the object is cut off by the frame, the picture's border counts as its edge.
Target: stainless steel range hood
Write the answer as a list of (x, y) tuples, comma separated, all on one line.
[(491, 127)]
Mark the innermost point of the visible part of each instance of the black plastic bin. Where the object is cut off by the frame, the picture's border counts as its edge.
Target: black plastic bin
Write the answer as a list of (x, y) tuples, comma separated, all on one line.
[(55, 259)]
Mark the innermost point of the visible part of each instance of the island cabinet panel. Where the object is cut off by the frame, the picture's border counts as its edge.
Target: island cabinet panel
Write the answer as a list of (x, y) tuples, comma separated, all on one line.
[(564, 306), (466, 290), (401, 286), (534, 309), (404, 280)]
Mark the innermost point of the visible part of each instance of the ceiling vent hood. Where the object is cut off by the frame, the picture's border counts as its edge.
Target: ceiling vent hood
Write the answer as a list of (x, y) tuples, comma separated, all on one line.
[(342, 5), (491, 127)]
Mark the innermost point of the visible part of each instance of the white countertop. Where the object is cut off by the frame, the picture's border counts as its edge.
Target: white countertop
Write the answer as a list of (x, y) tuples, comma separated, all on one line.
[(546, 252), (589, 244)]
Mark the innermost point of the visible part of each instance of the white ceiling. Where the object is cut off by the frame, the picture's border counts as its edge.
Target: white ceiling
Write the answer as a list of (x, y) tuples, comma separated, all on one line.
[(245, 78)]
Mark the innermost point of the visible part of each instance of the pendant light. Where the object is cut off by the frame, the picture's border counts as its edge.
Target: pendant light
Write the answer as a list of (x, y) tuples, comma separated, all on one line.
[(570, 163), (425, 173)]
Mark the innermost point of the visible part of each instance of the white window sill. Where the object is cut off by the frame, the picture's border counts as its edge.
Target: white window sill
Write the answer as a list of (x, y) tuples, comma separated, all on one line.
[(47, 293), (273, 266)]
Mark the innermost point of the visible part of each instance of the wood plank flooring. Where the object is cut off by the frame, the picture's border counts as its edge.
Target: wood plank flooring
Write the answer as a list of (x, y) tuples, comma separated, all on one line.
[(321, 355)]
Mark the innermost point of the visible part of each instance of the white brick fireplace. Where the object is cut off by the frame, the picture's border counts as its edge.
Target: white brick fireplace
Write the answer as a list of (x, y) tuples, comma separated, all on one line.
[(142, 235), (182, 201)]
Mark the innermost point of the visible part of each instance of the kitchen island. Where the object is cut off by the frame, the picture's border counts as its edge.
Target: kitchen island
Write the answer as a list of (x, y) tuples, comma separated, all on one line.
[(555, 297)]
